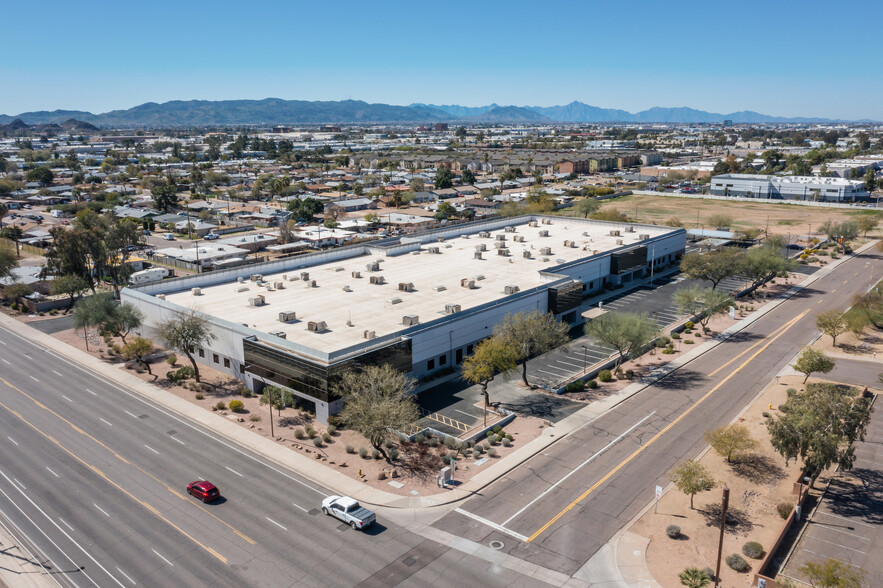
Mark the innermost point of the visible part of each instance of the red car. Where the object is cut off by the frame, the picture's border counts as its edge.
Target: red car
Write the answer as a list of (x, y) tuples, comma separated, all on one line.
[(205, 491)]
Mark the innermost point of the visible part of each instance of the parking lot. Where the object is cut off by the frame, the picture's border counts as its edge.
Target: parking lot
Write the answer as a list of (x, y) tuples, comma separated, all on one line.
[(848, 524)]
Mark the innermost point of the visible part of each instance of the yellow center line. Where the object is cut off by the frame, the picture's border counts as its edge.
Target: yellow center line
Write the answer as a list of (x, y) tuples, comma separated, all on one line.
[(136, 466), (711, 375), (641, 449)]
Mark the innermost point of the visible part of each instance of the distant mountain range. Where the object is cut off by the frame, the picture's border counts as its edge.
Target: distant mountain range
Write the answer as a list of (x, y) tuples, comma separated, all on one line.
[(189, 113)]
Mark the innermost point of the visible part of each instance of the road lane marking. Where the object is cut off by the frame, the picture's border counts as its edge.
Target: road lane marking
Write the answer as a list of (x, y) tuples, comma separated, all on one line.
[(491, 524), (101, 509), (104, 421), (57, 374), (134, 416), (178, 441), (23, 487), (34, 379), (234, 471), (769, 341), (65, 523), (275, 523), (4, 361), (575, 470), (91, 392), (299, 506), (161, 557), (775, 332), (125, 575), (51, 472), (66, 398), (152, 449), (13, 440)]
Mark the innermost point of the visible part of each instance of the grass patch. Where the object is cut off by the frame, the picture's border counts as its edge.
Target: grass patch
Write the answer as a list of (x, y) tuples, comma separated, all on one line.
[(787, 223)]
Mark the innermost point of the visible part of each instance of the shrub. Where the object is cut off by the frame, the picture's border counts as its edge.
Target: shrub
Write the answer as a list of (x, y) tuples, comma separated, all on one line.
[(791, 391), (688, 341), (434, 442), (236, 405), (784, 509), (605, 375), (350, 449), (485, 446), (753, 549), (172, 359), (245, 392), (317, 441), (389, 444), (331, 429), (447, 459), (375, 453), (254, 417), (220, 405), (592, 384), (575, 386), (200, 395), (688, 325), (675, 336), (709, 573), (381, 475), (668, 350), (183, 373), (492, 452), (326, 437), (419, 439), (497, 429), (310, 431), (476, 452), (506, 442), (489, 434), (393, 453), (765, 414), (630, 374), (479, 449), (738, 563), (450, 443), (363, 453), (673, 531)]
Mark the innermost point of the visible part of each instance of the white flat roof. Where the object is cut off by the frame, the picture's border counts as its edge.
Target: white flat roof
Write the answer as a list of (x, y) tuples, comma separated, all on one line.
[(371, 307)]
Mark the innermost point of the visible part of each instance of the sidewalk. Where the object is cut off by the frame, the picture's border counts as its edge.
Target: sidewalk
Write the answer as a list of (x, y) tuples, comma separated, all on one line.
[(18, 568)]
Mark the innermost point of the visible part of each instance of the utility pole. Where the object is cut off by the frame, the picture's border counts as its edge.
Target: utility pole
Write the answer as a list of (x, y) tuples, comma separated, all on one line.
[(725, 501)]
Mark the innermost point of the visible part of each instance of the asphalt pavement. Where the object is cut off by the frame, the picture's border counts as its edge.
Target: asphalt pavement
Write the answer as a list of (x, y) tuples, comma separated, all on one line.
[(559, 508)]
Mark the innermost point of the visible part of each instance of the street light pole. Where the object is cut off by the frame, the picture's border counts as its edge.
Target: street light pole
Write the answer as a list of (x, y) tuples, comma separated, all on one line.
[(585, 359), (725, 501)]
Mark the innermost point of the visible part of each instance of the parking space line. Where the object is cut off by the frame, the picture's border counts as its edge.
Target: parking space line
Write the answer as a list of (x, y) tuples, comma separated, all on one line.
[(837, 544), (299, 506), (845, 519), (826, 527)]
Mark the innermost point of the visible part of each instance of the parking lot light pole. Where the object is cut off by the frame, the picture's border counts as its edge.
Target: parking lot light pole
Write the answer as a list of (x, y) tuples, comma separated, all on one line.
[(585, 359), (725, 501)]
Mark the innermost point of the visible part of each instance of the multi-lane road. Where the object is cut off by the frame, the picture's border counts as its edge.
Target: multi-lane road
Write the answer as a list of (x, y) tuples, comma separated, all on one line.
[(559, 508), (92, 482)]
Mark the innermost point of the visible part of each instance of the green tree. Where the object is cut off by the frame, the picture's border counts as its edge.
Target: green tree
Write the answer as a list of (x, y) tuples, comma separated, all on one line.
[(377, 403), (443, 177), (702, 303), (184, 332), (626, 332), (91, 312), (841, 233), (694, 578), (40, 174), (445, 210), (720, 221), (305, 209), (121, 319), (869, 305), (492, 356), (418, 185), (587, 206), (759, 262), (4, 210), (731, 442), (71, 286), (832, 573), (531, 334), (867, 223), (812, 361), (832, 323), (137, 350), (691, 477), (165, 196), (467, 177), (714, 266), (820, 426), (8, 262)]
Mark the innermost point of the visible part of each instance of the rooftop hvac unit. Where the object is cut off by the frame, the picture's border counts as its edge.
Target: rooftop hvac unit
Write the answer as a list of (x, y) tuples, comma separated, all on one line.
[(585, 233), (525, 254), (481, 247), (409, 320), (643, 237), (499, 245), (546, 251), (256, 301), (196, 291), (374, 266), (547, 221), (284, 276), (619, 241), (479, 277), (240, 279), (439, 288), (500, 237), (406, 286), (484, 234), (287, 316), (316, 326), (503, 251), (369, 334), (511, 290), (477, 255), (467, 283), (347, 289), (395, 300), (614, 232), (280, 334), (161, 296), (509, 229), (568, 243), (377, 280), (440, 240), (339, 269), (532, 224), (630, 229), (594, 252), (241, 289), (305, 276), (452, 308), (311, 283), (435, 250), (279, 285), (544, 233), (255, 277), (357, 274), (518, 238)]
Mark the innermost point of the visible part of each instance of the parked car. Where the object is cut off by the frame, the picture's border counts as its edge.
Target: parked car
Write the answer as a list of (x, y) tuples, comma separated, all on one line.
[(211, 236), (168, 236), (349, 511), (203, 490)]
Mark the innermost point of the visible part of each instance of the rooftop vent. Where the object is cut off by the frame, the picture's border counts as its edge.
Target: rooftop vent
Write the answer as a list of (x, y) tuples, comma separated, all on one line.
[(484, 234), (196, 291), (357, 275), (280, 334), (525, 254), (467, 283), (377, 280), (518, 238), (503, 251), (532, 224), (477, 255), (395, 300), (369, 335), (500, 245), (311, 283), (509, 229), (374, 266), (500, 237), (338, 269), (305, 276), (439, 288), (546, 221), (240, 279), (546, 251), (440, 240), (161, 296), (630, 229), (256, 300), (347, 289), (569, 244), (619, 241), (511, 290), (287, 316), (544, 233), (241, 289), (279, 285), (406, 286), (435, 250), (481, 247), (479, 277), (614, 232), (452, 308), (255, 277), (643, 236), (409, 320), (316, 326)]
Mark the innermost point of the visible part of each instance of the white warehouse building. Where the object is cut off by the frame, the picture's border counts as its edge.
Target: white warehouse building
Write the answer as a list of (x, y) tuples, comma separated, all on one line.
[(419, 303), (789, 187)]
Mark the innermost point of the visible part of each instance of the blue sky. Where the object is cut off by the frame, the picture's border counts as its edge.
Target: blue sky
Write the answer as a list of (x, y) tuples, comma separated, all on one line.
[(788, 58)]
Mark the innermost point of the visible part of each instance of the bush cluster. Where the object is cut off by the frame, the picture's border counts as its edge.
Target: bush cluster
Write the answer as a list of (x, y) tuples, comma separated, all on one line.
[(236, 405), (575, 386), (605, 375), (738, 563), (182, 373), (673, 531), (363, 453), (753, 549), (784, 509)]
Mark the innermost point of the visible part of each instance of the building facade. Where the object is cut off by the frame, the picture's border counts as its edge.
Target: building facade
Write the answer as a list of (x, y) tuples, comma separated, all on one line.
[(808, 188)]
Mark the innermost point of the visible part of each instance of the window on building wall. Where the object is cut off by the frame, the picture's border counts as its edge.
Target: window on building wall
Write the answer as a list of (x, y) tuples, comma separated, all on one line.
[(430, 365), (215, 358), (459, 356), (226, 363), (241, 368), (442, 359), (470, 349), (201, 352)]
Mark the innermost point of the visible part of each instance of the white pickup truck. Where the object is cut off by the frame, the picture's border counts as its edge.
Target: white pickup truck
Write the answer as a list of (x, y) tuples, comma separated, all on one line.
[(348, 510)]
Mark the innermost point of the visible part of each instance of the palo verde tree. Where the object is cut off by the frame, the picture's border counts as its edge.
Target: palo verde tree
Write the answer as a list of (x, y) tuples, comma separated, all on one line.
[(691, 477), (531, 333), (626, 332), (377, 403), (92, 312), (137, 350), (492, 356), (731, 442), (587, 206), (714, 266), (812, 361), (832, 323), (184, 331), (820, 426), (832, 573), (702, 303)]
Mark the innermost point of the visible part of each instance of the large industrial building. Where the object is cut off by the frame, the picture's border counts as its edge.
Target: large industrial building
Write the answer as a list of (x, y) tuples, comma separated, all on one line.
[(789, 188), (420, 303)]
